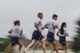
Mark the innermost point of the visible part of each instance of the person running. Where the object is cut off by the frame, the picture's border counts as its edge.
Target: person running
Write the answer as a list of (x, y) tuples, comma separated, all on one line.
[(37, 34), (52, 25), (62, 33), (15, 32)]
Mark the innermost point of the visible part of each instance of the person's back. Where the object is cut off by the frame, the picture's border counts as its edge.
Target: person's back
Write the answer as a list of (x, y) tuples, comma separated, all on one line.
[(62, 34), (37, 34), (15, 31), (39, 23), (50, 25), (65, 32)]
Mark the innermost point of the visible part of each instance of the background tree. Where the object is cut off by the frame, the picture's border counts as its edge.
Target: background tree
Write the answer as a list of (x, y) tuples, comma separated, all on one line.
[(76, 42)]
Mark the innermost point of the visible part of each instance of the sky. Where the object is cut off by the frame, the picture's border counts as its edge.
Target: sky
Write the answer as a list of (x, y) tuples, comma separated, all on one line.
[(26, 11)]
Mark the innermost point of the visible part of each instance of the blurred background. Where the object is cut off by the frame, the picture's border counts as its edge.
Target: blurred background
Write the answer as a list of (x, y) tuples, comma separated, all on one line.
[(26, 11)]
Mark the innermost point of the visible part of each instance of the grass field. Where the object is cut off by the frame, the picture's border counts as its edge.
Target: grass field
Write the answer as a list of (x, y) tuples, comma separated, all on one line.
[(6, 41), (48, 51), (15, 50)]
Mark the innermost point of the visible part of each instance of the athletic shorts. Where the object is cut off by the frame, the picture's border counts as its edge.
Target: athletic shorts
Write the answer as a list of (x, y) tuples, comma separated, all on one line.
[(14, 40), (37, 35), (62, 40), (50, 36)]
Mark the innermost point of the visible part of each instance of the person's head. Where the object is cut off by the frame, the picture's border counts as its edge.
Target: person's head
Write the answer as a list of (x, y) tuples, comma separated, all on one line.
[(63, 24), (54, 16), (17, 22), (62, 27), (40, 15)]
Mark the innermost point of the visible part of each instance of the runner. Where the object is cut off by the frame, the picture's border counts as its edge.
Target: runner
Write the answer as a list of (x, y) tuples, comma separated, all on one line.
[(37, 34), (62, 37), (52, 25), (15, 32)]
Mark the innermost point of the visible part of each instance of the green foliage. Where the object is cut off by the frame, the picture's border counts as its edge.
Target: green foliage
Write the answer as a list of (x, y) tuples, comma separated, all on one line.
[(4, 44), (76, 43)]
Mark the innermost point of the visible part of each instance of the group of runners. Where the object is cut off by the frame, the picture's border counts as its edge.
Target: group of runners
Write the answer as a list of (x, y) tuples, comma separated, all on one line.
[(51, 25)]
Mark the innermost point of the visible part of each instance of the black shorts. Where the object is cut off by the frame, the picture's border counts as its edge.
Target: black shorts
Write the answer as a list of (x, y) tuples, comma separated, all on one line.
[(62, 40), (50, 36), (37, 35), (14, 40)]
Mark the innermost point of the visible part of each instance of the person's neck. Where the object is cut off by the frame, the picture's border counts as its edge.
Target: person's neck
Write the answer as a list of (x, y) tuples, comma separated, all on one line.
[(54, 19), (39, 18), (16, 25)]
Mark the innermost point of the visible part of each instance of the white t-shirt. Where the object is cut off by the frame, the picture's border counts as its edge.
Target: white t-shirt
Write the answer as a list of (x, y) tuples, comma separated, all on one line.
[(39, 23), (15, 31), (65, 31), (50, 25)]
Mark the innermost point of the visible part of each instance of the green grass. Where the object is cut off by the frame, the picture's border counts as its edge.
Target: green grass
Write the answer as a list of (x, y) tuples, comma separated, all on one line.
[(1, 52), (4, 43)]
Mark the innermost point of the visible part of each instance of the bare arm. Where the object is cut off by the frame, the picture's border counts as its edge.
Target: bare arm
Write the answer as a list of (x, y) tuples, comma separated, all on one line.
[(45, 26), (58, 33), (56, 27), (66, 34), (21, 32), (9, 31)]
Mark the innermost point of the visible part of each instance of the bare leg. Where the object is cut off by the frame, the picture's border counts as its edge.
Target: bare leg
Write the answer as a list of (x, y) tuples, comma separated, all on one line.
[(54, 46), (43, 45), (20, 46), (60, 48), (8, 49), (65, 48), (31, 45)]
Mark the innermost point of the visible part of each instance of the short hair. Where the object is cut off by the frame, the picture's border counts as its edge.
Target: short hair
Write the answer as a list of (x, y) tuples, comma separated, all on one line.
[(16, 22), (54, 15), (39, 14)]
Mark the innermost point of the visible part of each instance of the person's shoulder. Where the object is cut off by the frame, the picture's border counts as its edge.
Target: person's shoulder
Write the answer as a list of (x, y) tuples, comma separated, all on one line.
[(65, 28), (17, 27), (14, 27), (37, 20), (51, 21), (20, 28), (48, 22), (54, 20)]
